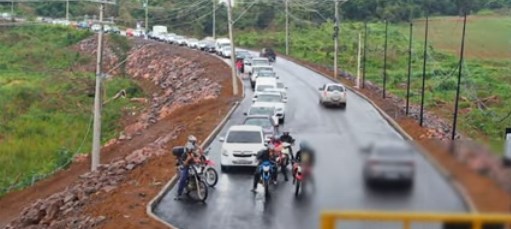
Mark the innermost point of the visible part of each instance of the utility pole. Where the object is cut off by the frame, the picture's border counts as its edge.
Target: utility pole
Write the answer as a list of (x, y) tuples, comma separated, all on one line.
[(96, 138), (287, 27), (233, 51), (385, 59), (67, 10), (214, 19), (365, 55), (359, 58), (460, 72), (146, 6), (426, 32), (12, 10), (336, 39), (409, 69)]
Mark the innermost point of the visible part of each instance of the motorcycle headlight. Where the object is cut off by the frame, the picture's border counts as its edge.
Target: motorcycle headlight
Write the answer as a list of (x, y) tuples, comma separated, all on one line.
[(225, 152)]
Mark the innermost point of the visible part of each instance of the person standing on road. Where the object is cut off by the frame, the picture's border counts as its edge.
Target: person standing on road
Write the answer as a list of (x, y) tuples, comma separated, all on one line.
[(187, 159)]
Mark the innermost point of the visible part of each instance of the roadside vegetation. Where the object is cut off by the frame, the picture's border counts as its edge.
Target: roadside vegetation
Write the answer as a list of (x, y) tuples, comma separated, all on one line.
[(486, 82), (46, 115)]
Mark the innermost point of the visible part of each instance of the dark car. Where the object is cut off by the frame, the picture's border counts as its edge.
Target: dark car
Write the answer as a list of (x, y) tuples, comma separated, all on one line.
[(268, 53)]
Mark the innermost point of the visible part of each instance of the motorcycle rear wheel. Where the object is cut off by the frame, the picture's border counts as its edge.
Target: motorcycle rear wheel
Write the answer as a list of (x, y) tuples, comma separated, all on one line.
[(266, 189), (297, 187)]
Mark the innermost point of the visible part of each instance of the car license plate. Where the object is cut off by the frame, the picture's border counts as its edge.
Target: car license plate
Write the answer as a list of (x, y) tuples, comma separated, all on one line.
[(243, 162)]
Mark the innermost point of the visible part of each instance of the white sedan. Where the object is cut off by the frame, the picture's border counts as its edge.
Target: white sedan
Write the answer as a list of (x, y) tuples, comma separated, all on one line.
[(333, 94), (273, 99), (240, 146)]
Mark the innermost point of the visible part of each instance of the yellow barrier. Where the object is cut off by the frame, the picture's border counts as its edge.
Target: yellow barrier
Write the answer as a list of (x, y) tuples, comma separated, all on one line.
[(330, 218)]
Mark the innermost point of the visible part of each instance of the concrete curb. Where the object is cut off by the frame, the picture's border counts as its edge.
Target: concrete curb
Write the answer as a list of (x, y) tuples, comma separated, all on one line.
[(170, 184), (469, 204)]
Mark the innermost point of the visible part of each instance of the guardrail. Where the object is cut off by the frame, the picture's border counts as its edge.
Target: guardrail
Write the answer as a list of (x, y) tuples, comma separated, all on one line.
[(329, 219)]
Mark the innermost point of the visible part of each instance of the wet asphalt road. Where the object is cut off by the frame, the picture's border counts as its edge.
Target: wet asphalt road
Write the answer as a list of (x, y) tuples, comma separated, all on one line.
[(337, 136)]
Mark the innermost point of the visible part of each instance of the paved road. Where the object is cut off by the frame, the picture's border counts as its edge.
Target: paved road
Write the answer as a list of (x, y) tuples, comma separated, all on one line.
[(337, 135)]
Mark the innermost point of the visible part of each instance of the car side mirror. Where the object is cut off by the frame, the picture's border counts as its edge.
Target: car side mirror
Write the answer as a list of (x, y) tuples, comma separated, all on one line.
[(320, 89), (367, 149), (221, 139), (284, 100), (254, 100), (278, 77), (245, 113)]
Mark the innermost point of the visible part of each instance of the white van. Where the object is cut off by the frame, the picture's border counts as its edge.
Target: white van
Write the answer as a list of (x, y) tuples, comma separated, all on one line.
[(220, 44)]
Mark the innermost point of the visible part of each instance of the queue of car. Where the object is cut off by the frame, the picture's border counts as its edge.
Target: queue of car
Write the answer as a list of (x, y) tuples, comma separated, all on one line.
[(383, 163)]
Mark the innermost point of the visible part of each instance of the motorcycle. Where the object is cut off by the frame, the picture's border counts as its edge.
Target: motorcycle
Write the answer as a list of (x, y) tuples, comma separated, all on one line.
[(196, 188), (301, 172), (283, 155), (266, 176), (207, 171)]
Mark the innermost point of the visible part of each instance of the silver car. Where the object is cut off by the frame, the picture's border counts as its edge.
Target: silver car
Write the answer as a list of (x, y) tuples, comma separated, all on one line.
[(333, 94), (390, 162)]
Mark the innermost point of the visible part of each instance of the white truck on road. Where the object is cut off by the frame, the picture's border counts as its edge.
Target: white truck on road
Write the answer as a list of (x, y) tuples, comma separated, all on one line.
[(220, 44)]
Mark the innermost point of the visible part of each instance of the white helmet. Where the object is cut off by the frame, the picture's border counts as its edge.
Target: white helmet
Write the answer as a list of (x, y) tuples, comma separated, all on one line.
[(192, 139)]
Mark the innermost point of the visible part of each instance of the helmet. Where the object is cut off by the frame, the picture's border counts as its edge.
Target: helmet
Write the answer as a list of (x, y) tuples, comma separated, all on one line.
[(192, 139), (271, 147), (304, 145)]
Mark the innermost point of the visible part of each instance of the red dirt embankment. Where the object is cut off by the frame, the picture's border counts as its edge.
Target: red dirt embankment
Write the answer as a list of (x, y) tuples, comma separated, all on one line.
[(188, 93)]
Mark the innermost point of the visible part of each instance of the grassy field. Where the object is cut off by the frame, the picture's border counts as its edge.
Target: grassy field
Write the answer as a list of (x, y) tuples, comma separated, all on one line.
[(486, 83), (46, 107)]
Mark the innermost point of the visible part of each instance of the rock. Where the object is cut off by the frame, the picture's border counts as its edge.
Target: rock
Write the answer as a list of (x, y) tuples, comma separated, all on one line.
[(33, 216), (130, 166), (70, 197), (108, 188)]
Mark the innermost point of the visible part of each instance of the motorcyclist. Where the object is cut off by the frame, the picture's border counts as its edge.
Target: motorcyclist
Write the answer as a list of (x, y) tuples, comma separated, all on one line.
[(262, 156), (305, 155), (187, 159), (286, 137), (192, 143)]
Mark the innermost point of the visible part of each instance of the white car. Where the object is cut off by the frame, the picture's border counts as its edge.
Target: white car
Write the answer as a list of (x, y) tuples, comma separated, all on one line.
[(257, 61), (267, 109), (390, 162), (274, 99), (96, 28), (264, 84), (192, 43), (240, 146), (333, 94), (180, 40), (226, 51), (259, 69)]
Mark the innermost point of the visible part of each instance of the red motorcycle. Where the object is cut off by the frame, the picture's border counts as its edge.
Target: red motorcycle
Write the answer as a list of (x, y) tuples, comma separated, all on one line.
[(301, 172), (207, 170)]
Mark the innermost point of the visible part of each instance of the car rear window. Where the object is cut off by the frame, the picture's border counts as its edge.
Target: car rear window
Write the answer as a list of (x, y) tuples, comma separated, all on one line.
[(265, 73), (246, 137), (261, 111), (260, 62), (269, 98), (264, 87), (262, 122), (335, 88)]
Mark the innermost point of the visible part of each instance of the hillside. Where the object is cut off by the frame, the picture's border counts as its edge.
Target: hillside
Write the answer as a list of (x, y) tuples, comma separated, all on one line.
[(46, 95)]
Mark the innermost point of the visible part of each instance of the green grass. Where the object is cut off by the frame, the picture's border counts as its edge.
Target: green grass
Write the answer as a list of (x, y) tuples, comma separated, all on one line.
[(487, 71), (46, 107)]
